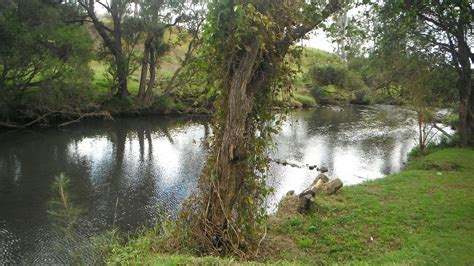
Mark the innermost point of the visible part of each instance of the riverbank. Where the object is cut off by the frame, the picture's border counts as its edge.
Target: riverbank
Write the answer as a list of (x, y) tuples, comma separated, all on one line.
[(108, 108), (421, 215)]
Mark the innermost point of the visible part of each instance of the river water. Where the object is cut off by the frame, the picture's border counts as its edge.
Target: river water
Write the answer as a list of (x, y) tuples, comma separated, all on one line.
[(129, 171)]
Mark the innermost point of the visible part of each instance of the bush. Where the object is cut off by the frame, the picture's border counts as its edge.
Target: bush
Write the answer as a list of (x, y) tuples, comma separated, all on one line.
[(452, 119), (305, 100), (337, 82), (168, 104), (118, 105), (361, 96), (443, 143)]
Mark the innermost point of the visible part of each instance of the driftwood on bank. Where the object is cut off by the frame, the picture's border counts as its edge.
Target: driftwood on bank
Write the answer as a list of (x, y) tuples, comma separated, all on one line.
[(66, 116), (105, 115), (442, 131), (322, 185)]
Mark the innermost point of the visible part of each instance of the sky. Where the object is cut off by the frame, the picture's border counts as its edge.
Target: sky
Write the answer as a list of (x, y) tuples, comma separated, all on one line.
[(319, 40)]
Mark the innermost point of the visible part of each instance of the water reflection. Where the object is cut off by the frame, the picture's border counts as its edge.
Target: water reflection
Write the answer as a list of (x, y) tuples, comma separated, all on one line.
[(356, 144), (124, 172), (121, 172)]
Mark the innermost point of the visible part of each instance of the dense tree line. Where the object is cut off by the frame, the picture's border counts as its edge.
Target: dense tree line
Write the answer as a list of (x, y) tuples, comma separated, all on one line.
[(39, 50), (58, 41)]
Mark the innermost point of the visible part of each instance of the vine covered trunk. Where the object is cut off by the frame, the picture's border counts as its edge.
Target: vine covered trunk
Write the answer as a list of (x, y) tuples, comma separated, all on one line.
[(232, 166), (246, 45)]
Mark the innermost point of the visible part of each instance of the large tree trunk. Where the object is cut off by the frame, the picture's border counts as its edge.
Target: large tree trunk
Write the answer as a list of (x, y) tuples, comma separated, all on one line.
[(120, 60), (421, 136), (223, 218), (471, 116), (148, 98), (464, 109), (122, 75), (113, 41), (465, 96), (232, 151), (250, 77)]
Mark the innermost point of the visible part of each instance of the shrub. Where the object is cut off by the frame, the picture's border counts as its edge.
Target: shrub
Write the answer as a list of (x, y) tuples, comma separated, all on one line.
[(444, 142), (361, 96), (305, 100)]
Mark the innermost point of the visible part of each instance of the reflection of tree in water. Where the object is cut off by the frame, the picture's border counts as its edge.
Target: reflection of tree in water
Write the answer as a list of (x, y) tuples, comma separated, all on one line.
[(99, 175)]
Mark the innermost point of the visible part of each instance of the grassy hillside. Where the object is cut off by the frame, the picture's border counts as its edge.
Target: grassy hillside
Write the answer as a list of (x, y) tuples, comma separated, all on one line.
[(422, 215)]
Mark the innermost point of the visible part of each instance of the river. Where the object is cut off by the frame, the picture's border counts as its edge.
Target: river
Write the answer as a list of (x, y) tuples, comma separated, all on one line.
[(130, 171)]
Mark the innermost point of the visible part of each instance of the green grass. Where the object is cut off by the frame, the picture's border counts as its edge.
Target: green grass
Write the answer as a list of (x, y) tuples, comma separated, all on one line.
[(418, 216), (102, 85)]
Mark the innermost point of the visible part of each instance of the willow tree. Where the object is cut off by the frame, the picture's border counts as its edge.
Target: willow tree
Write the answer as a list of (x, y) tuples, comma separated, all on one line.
[(246, 42)]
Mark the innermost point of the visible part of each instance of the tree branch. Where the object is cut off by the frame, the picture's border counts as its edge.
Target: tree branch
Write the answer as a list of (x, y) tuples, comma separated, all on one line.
[(331, 8)]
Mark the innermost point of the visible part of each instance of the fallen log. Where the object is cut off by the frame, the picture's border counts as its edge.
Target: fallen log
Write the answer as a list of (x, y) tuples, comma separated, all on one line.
[(106, 115), (300, 203), (9, 125), (442, 131), (73, 116)]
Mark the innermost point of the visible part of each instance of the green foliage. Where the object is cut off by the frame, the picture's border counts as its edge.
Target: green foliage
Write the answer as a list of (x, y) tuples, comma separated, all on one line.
[(331, 79), (43, 61), (433, 147), (134, 251), (168, 104), (403, 52), (117, 105), (136, 248), (452, 119)]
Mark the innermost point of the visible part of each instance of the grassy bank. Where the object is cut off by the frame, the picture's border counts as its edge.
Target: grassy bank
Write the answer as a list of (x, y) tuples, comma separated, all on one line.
[(423, 215)]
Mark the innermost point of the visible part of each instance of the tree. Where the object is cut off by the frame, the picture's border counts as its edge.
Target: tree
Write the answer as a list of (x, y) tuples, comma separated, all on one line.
[(245, 43), (157, 17), (39, 50), (416, 78), (423, 79), (112, 36), (442, 27)]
